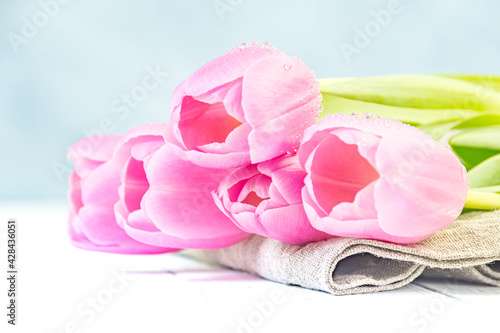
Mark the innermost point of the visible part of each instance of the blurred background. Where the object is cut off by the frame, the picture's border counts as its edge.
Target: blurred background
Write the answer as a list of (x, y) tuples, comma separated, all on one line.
[(70, 69)]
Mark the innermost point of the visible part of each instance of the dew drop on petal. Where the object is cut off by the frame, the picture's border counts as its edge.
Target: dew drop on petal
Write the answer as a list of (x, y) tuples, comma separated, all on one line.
[(287, 66), (354, 114), (267, 45), (367, 115)]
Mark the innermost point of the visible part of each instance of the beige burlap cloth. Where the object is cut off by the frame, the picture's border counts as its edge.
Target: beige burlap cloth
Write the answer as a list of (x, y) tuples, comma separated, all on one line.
[(468, 250)]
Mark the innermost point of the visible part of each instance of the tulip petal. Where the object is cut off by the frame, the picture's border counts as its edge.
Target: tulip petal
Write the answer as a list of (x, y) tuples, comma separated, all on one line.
[(202, 123), (84, 167), (139, 151), (360, 228), (100, 188), (100, 228), (232, 101), (287, 175), (441, 191), (75, 191), (96, 148), (290, 225), (363, 207), (226, 68), (338, 172), (217, 161), (140, 227), (147, 133), (179, 200), (280, 99), (134, 184)]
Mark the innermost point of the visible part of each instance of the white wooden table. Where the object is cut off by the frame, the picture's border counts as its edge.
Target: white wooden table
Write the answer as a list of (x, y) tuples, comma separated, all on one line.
[(64, 289)]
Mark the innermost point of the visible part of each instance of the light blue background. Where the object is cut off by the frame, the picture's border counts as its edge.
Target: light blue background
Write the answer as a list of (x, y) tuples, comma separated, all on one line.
[(63, 81)]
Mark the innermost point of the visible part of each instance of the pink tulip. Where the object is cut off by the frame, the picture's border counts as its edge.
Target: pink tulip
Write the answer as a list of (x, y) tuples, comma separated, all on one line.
[(379, 179), (265, 199), (93, 192), (130, 156), (247, 106), (177, 209)]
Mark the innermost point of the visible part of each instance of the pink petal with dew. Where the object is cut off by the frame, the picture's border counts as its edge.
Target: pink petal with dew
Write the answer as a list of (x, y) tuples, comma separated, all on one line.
[(271, 90), (277, 137), (280, 99), (225, 69)]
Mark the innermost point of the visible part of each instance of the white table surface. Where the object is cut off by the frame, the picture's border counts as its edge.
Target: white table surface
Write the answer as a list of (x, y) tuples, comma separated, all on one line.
[(174, 293)]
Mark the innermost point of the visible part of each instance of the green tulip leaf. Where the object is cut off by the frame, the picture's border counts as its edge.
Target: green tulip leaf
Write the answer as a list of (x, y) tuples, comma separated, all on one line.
[(438, 129), (490, 82), (495, 189), (334, 104), (415, 91), (482, 200), (486, 175), (482, 120), (475, 146)]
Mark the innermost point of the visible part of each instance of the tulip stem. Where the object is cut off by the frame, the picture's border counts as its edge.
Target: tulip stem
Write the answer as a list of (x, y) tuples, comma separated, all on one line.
[(324, 83), (482, 200)]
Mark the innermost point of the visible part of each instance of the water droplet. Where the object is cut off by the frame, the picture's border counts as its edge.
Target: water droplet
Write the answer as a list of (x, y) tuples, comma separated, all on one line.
[(321, 108), (287, 66), (367, 115), (267, 45), (387, 123), (378, 117), (354, 114)]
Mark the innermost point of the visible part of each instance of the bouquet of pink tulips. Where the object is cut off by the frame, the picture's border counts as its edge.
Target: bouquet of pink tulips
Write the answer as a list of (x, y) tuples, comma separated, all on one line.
[(245, 152)]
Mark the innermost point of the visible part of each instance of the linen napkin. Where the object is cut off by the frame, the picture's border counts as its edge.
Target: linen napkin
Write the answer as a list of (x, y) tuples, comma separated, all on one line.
[(468, 250)]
